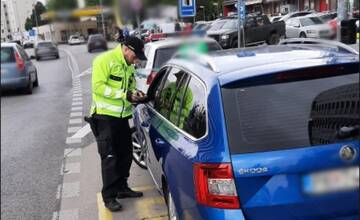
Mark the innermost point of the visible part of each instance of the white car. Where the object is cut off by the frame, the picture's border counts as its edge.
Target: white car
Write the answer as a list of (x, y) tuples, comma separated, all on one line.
[(75, 39), (308, 26), (159, 52)]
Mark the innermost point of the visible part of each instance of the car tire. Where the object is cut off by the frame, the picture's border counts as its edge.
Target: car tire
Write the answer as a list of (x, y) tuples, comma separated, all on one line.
[(37, 58), (273, 39), (302, 35), (89, 50), (172, 213), (139, 148), (36, 83), (29, 88)]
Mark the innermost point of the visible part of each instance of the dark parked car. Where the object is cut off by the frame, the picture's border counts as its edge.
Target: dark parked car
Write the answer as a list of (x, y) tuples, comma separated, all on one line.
[(46, 49), (17, 70), (95, 42), (258, 29)]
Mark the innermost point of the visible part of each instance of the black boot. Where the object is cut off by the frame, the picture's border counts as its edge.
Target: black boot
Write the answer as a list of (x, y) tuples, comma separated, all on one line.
[(126, 192), (113, 206)]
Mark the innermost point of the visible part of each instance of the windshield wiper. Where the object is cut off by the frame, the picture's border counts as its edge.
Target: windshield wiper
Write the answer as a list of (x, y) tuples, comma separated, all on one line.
[(348, 132)]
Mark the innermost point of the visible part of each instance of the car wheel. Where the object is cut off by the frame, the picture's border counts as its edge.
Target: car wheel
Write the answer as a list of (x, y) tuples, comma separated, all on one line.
[(36, 83), (302, 35), (29, 88), (139, 148), (274, 39), (37, 58), (89, 50), (172, 213)]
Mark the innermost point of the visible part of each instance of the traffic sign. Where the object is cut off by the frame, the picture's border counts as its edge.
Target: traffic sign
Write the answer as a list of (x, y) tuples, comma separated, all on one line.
[(187, 8)]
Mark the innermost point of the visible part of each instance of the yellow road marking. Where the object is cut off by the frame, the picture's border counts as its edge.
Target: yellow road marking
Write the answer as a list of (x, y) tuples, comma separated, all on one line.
[(144, 188), (104, 213), (151, 208)]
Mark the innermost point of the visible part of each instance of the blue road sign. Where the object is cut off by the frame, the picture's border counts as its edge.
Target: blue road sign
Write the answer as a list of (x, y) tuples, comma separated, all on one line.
[(187, 8), (241, 9), (31, 33)]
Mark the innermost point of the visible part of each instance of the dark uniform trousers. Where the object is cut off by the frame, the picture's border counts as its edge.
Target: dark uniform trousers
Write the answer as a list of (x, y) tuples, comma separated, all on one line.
[(114, 141)]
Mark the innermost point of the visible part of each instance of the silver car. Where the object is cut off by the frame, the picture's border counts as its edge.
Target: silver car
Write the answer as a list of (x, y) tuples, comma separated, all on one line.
[(46, 49), (17, 70), (308, 26)]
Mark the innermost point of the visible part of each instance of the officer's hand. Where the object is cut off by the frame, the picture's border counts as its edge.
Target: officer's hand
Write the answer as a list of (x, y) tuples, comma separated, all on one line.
[(136, 97)]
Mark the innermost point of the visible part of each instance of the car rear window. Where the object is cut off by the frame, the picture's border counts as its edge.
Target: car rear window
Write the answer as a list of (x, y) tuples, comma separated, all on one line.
[(290, 115), (96, 37), (163, 55), (45, 44), (7, 55), (310, 21)]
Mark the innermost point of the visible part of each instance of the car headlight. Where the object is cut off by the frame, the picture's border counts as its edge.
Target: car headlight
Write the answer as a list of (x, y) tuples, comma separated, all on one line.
[(224, 37), (311, 32)]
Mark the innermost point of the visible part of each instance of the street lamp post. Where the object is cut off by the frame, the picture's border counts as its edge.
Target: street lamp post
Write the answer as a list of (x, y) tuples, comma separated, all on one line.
[(217, 8), (36, 20), (203, 8), (102, 19)]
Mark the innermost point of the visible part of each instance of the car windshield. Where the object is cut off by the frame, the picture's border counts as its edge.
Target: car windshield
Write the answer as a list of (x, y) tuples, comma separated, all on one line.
[(292, 114), (230, 24), (7, 55), (217, 25), (45, 44), (328, 17), (310, 21), (74, 37)]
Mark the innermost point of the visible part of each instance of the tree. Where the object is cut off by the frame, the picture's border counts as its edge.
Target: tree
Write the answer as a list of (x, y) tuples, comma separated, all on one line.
[(90, 3), (31, 21), (56, 5), (28, 24)]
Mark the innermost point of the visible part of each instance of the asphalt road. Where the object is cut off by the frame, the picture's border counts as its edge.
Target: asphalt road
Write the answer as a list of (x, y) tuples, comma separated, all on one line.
[(33, 134)]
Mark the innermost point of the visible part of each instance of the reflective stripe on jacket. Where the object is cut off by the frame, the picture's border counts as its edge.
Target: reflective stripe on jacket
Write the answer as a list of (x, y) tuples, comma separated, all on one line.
[(112, 78)]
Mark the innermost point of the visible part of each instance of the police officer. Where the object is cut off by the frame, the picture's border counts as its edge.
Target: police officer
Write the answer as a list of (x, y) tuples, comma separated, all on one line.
[(113, 92)]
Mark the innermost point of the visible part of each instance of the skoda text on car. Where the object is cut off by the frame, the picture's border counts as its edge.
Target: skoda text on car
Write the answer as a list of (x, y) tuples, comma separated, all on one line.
[(260, 133)]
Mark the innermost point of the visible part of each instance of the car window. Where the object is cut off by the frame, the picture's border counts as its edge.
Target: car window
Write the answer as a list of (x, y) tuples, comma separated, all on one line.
[(7, 55), (260, 21), (293, 114), (168, 95), (328, 17), (250, 22), (217, 25), (310, 21), (193, 109), (22, 53), (230, 24), (45, 44)]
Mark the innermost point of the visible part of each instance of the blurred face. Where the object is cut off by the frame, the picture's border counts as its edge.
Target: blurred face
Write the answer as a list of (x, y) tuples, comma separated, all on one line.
[(130, 56)]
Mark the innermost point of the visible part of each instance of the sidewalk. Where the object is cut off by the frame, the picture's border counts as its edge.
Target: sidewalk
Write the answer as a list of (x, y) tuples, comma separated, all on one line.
[(89, 203)]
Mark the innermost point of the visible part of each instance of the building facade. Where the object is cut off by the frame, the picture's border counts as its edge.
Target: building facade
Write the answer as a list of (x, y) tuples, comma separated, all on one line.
[(275, 7), (13, 18)]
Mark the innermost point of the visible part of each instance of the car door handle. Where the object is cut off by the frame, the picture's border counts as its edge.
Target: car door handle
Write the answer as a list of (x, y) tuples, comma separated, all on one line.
[(159, 142)]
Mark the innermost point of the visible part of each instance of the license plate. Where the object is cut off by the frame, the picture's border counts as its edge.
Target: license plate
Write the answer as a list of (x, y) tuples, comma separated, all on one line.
[(97, 43), (337, 180)]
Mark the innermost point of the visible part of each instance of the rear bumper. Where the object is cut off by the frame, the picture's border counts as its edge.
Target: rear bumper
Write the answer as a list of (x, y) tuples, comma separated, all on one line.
[(95, 47), (14, 83), (47, 54), (209, 213)]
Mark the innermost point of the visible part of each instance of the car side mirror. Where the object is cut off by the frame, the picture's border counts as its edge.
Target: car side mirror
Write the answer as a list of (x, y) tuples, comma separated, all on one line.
[(32, 57)]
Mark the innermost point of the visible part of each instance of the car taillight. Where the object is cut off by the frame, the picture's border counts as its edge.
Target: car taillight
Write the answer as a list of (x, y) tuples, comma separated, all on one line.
[(333, 24), (215, 185), (151, 77), (19, 62)]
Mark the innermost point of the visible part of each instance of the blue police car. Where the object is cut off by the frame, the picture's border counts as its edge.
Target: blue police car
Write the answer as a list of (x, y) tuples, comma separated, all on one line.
[(270, 132)]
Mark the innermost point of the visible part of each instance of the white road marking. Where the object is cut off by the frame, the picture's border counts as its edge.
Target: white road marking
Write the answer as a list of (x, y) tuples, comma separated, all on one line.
[(73, 129), (58, 192), (77, 99), (75, 120), (70, 190), (71, 168), (77, 94), (79, 108), (71, 140), (77, 103), (75, 114), (86, 72), (82, 132), (72, 152), (71, 214)]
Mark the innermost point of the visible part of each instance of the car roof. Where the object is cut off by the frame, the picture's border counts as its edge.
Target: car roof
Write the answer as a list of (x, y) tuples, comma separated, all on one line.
[(8, 44), (169, 42), (236, 64)]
